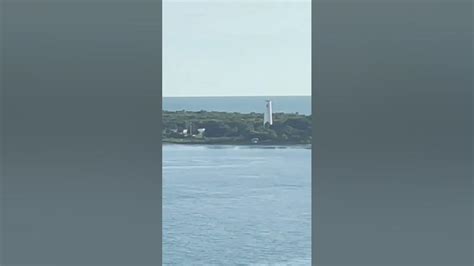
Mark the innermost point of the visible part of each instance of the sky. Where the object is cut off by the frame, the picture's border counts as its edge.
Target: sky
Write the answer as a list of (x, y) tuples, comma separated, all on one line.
[(236, 48)]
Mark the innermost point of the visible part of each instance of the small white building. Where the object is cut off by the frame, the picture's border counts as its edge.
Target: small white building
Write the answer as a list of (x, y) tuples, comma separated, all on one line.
[(201, 132)]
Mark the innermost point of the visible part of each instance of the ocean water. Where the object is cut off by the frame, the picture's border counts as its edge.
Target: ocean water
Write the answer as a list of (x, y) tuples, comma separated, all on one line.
[(236, 205), (248, 104)]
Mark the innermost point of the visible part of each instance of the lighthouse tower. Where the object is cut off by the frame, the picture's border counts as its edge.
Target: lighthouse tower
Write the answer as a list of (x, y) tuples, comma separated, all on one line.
[(267, 116)]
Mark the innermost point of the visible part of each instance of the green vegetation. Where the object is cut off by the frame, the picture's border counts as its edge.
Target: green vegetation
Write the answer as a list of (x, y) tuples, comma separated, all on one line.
[(235, 128)]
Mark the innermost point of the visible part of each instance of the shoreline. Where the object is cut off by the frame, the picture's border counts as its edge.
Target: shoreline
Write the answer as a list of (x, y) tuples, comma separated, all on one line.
[(230, 142), (303, 146)]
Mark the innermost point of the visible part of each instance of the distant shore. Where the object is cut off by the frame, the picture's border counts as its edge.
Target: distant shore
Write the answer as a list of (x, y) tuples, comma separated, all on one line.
[(171, 142), (225, 128)]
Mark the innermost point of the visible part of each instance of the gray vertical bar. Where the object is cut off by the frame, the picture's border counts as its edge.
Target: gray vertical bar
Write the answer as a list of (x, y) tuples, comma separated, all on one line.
[(81, 132), (2, 164), (392, 157)]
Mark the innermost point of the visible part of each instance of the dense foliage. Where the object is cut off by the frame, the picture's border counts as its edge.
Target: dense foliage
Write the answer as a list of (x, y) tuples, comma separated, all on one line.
[(234, 128)]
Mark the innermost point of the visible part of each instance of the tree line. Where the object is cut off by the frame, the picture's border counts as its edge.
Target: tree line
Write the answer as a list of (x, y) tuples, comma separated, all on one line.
[(237, 127)]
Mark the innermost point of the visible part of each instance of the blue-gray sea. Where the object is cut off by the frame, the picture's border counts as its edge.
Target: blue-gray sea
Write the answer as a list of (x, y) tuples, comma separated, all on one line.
[(241, 104), (236, 205)]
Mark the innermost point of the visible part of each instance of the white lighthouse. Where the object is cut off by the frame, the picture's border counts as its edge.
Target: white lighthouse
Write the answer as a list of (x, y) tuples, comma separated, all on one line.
[(267, 116)]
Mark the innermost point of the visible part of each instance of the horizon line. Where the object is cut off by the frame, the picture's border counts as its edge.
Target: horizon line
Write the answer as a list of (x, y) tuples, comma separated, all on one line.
[(217, 96)]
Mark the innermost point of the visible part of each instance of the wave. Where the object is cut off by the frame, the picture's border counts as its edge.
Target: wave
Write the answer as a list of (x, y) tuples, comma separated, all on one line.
[(293, 262)]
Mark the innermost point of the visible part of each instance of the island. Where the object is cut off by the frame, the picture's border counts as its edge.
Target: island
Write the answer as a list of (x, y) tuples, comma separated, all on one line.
[(210, 127)]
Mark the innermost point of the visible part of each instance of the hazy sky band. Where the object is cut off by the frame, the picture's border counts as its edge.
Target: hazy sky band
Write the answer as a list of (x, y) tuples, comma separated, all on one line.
[(236, 48)]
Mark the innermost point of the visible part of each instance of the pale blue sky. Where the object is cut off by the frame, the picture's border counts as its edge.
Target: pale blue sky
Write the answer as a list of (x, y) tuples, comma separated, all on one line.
[(236, 47)]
